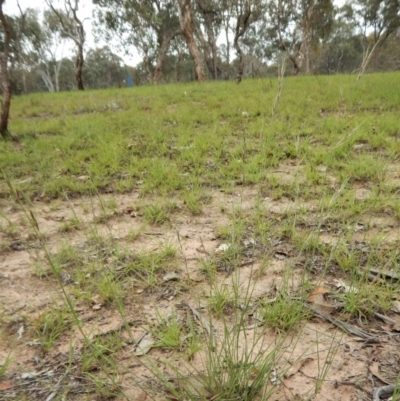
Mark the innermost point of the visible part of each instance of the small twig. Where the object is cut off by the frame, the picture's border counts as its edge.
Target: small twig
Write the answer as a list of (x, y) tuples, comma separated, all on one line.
[(384, 273), (344, 382), (345, 327), (384, 318)]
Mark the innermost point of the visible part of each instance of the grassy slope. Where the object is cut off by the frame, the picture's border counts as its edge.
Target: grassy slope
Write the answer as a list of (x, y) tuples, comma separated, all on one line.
[(181, 140), (169, 138)]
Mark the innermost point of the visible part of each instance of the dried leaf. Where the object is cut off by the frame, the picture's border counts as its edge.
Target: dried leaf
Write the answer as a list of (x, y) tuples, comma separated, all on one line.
[(141, 397), (145, 344), (374, 369), (396, 327), (5, 385), (97, 299), (316, 292), (250, 241), (296, 367), (197, 278), (323, 306), (396, 306)]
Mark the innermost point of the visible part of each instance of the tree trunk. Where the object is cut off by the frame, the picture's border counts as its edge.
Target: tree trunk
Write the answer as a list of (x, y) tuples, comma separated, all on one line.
[(242, 23), (212, 44), (46, 77), (215, 61), (296, 65), (186, 22), (57, 69), (177, 67), (206, 51), (5, 80), (146, 61), (211, 38), (307, 57), (306, 35), (25, 89), (166, 40), (78, 69), (21, 28), (116, 70), (297, 58), (228, 51), (239, 72)]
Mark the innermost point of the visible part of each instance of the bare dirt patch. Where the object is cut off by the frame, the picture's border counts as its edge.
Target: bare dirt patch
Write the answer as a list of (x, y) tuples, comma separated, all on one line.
[(26, 295)]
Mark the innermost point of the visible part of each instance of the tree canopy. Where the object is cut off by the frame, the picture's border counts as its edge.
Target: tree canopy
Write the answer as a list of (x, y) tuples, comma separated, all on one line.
[(196, 39)]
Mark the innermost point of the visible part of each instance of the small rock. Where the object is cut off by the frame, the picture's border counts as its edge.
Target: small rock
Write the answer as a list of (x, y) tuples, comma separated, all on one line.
[(223, 248), (28, 375), (171, 277)]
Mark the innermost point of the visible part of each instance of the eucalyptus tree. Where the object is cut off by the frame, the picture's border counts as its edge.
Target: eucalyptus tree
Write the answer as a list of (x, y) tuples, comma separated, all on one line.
[(376, 20), (293, 25), (103, 68), (70, 26), (34, 49), (5, 79), (25, 35), (209, 17), (149, 25), (341, 51), (382, 17), (317, 25), (185, 12), (244, 13), (45, 52)]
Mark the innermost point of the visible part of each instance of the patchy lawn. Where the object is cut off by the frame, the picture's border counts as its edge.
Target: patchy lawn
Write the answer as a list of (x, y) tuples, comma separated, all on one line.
[(178, 242)]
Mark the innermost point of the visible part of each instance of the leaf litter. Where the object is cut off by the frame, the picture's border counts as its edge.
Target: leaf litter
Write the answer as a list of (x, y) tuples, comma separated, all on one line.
[(321, 301)]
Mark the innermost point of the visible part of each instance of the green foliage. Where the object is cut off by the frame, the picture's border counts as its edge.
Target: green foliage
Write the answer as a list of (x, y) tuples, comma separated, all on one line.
[(50, 325), (302, 194)]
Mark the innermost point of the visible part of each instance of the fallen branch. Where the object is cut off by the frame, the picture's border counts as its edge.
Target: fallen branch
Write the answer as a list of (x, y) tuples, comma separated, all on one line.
[(347, 328), (387, 274), (385, 318)]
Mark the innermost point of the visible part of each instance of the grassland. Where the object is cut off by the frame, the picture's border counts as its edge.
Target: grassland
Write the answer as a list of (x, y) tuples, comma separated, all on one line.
[(188, 224)]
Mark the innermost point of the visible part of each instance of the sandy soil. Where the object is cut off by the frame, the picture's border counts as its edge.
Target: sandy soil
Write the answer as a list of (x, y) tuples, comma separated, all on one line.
[(355, 367)]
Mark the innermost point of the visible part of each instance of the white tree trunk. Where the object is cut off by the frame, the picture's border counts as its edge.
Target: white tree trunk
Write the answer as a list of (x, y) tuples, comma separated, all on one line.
[(47, 80)]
